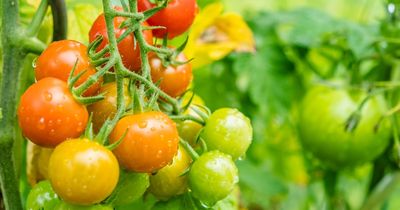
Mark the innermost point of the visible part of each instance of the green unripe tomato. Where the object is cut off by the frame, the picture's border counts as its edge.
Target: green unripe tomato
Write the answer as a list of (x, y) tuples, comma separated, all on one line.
[(66, 206), (131, 187), (324, 114), (42, 196), (212, 177), (169, 181), (228, 131)]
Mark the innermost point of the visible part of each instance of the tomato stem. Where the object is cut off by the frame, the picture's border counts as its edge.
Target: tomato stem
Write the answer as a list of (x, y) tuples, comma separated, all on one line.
[(189, 149), (37, 19), (60, 20)]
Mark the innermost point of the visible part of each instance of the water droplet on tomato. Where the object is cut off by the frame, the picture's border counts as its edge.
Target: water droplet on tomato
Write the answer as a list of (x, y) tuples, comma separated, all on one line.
[(143, 124), (52, 132), (41, 125), (59, 121), (48, 96)]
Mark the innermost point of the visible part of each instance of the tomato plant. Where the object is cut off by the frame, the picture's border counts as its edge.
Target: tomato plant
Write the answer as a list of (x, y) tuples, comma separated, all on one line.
[(48, 114), (177, 17), (128, 47), (323, 117), (174, 79), (83, 172), (59, 59), (106, 108)]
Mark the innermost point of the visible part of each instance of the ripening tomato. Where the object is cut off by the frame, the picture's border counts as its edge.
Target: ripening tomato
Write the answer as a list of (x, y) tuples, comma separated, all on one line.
[(48, 113), (59, 58), (177, 17), (107, 108), (322, 126), (228, 131), (128, 47), (83, 172), (212, 177), (169, 181), (150, 143), (189, 129), (175, 79)]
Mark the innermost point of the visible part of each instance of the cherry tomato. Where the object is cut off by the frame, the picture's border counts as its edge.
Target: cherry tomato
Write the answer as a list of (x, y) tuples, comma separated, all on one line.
[(68, 206), (169, 181), (83, 172), (174, 79), (48, 113), (128, 47), (59, 58), (228, 131), (42, 196), (212, 177), (177, 17), (189, 129), (106, 108), (150, 143), (323, 116), (131, 187)]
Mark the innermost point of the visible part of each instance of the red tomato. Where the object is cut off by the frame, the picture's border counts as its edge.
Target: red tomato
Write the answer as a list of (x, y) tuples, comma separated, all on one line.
[(48, 113), (58, 59), (128, 48), (150, 143), (174, 79), (177, 17)]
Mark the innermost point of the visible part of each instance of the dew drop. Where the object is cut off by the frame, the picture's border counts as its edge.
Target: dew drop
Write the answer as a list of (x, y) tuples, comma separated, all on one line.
[(41, 125), (48, 96), (143, 124)]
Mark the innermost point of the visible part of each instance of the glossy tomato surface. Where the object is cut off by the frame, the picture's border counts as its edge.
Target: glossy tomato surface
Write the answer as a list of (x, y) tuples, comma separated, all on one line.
[(150, 143), (322, 126), (83, 172), (175, 79), (42, 196), (169, 180), (177, 17), (128, 47), (212, 177), (228, 131), (48, 113), (58, 60)]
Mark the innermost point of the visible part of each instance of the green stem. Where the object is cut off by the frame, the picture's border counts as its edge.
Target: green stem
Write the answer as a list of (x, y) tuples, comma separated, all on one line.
[(32, 45), (382, 191), (189, 149), (12, 62), (37, 19)]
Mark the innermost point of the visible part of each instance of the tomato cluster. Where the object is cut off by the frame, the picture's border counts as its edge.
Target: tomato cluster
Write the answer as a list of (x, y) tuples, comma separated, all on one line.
[(103, 155)]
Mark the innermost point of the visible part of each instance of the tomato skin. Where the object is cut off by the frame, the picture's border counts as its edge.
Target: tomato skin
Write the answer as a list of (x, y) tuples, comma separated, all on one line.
[(323, 115), (168, 181), (68, 206), (83, 172), (106, 108), (128, 48), (48, 113), (228, 131), (174, 79), (177, 17), (42, 196), (150, 143), (189, 129), (212, 177), (59, 58)]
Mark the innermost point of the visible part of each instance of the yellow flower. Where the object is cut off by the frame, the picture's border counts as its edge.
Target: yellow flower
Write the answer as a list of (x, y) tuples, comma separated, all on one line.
[(214, 35)]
